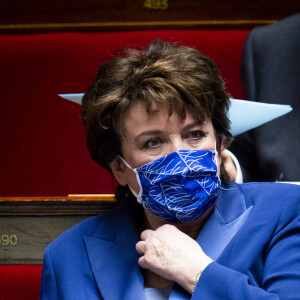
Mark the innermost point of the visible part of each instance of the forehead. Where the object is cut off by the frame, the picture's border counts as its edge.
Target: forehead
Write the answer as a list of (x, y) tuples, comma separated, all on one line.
[(139, 112), (158, 117)]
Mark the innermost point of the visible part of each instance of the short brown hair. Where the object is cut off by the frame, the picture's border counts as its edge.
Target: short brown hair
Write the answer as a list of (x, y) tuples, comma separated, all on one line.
[(163, 72)]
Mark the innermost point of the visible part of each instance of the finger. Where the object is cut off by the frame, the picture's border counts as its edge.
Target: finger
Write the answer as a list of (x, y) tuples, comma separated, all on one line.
[(140, 247), (145, 263), (141, 262), (146, 234)]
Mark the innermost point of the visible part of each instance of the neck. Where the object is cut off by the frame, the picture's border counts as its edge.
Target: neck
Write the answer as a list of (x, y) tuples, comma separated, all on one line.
[(153, 280)]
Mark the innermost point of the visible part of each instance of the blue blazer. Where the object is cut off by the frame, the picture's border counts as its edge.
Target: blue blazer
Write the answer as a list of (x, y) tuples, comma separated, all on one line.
[(253, 236)]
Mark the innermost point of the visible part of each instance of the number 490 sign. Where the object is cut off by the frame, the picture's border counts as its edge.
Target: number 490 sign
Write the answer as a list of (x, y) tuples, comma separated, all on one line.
[(8, 240), (156, 4)]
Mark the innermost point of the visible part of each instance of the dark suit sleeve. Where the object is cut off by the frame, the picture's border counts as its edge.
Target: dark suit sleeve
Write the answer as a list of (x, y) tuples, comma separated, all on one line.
[(280, 278), (244, 145), (270, 72), (48, 290)]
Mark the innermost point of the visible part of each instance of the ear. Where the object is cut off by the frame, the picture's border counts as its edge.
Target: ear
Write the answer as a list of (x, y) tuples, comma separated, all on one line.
[(118, 168)]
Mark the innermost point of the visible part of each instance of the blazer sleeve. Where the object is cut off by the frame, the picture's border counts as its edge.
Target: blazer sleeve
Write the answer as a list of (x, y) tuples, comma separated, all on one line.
[(280, 274), (48, 290)]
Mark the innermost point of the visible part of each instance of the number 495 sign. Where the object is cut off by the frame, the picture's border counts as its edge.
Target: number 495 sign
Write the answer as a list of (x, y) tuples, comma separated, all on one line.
[(156, 4)]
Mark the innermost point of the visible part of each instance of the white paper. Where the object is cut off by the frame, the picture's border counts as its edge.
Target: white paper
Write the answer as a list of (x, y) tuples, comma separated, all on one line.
[(243, 114), (72, 97)]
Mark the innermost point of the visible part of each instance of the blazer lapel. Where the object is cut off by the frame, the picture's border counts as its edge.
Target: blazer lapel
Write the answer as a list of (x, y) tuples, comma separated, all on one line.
[(113, 258), (229, 215)]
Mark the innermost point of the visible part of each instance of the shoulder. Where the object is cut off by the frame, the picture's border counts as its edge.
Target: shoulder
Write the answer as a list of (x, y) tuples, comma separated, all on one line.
[(268, 189), (273, 198), (284, 30), (72, 240)]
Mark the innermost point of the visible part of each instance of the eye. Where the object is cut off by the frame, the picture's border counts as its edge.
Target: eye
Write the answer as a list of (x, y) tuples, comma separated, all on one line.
[(152, 143), (195, 135)]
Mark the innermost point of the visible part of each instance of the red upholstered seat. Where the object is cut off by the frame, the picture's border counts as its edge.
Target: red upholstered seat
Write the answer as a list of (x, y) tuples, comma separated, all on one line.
[(43, 150), (20, 282)]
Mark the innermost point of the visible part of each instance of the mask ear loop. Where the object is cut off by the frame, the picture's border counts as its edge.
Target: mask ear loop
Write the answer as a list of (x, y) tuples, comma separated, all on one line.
[(139, 195), (216, 152), (216, 161)]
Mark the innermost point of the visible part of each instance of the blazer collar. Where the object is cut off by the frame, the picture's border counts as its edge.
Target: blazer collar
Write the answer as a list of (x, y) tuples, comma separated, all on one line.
[(113, 257), (231, 202)]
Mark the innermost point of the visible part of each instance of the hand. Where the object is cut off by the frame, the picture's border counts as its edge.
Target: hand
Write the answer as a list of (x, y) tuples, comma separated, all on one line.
[(172, 254)]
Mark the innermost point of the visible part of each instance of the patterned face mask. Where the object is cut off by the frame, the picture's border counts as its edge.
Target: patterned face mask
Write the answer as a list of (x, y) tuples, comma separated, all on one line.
[(179, 187)]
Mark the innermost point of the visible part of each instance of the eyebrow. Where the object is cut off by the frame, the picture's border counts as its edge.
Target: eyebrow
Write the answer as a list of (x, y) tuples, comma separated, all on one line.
[(148, 133), (196, 123)]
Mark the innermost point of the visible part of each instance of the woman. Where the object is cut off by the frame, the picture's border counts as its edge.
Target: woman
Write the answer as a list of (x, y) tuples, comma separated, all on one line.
[(157, 119)]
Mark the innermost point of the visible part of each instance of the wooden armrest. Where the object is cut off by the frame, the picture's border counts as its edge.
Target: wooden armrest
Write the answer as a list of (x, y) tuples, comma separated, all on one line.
[(29, 224)]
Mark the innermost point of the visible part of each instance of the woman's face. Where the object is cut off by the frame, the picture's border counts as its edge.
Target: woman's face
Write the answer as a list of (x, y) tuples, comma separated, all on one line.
[(148, 137)]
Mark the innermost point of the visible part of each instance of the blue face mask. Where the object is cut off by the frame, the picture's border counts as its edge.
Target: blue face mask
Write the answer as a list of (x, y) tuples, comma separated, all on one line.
[(179, 187)]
